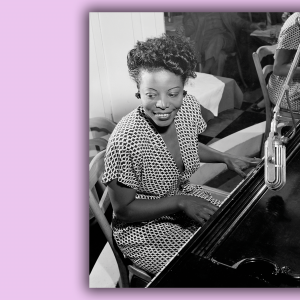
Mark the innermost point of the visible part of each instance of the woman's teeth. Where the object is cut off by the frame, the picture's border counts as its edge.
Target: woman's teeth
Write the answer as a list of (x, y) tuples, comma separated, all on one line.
[(163, 115)]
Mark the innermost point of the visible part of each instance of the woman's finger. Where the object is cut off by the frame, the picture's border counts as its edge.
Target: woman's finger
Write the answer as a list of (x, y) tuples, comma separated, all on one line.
[(201, 220), (240, 172), (255, 160), (211, 206), (209, 211), (251, 160), (205, 216)]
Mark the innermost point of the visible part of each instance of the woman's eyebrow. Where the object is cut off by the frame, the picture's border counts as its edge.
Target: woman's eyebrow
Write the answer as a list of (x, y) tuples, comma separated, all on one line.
[(176, 87)]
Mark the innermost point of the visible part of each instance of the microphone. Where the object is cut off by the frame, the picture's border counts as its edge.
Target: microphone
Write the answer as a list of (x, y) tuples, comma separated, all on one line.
[(275, 162)]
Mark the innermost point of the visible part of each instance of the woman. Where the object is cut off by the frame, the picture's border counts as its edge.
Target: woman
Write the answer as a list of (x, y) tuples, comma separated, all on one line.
[(152, 153), (288, 42)]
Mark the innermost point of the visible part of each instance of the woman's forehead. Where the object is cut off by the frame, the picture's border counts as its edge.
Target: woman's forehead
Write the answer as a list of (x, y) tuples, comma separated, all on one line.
[(159, 77)]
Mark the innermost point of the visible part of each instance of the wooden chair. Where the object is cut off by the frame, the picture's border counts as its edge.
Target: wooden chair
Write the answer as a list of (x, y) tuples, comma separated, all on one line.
[(96, 145), (101, 127), (128, 272), (284, 115), (100, 130)]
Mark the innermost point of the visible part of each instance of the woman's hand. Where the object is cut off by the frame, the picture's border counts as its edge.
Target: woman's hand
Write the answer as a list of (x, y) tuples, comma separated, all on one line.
[(235, 163), (238, 164), (197, 208), (258, 26)]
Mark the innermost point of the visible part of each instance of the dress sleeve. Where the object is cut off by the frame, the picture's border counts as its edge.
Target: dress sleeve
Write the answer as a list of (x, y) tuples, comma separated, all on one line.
[(201, 124), (196, 115), (289, 37), (119, 163)]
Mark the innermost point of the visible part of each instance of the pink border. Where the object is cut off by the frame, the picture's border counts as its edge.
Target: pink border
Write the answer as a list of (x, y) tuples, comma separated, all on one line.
[(44, 115)]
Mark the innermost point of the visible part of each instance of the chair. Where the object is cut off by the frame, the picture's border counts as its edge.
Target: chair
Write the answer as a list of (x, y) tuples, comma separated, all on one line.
[(284, 115), (96, 145), (101, 127), (129, 274), (100, 130)]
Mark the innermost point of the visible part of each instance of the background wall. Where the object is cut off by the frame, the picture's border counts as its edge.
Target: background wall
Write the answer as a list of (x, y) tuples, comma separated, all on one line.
[(111, 36)]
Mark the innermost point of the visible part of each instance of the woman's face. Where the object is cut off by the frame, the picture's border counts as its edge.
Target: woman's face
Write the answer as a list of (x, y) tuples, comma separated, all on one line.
[(161, 94)]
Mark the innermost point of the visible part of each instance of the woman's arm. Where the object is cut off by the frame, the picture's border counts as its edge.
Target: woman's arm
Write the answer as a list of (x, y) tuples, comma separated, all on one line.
[(129, 209), (233, 162), (283, 62), (210, 155), (240, 23)]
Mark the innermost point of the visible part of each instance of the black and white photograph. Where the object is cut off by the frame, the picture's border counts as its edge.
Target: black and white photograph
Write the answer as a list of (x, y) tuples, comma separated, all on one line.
[(194, 149)]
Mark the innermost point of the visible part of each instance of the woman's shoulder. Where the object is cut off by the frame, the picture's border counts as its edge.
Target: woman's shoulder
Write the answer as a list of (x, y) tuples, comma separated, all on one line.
[(191, 113), (190, 110), (190, 104), (128, 127), (289, 37)]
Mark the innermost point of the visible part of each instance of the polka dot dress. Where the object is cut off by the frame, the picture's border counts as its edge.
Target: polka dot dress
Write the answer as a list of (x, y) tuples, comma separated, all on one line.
[(138, 157), (289, 38)]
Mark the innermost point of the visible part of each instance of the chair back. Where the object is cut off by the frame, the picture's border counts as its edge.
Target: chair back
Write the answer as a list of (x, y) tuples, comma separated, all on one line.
[(96, 145), (101, 127), (98, 190), (100, 131), (264, 51), (262, 75), (96, 170)]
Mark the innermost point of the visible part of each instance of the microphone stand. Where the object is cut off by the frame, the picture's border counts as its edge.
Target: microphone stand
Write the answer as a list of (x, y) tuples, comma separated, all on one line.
[(275, 173)]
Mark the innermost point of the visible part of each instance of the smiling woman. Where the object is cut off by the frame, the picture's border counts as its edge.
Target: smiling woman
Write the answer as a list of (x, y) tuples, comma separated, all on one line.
[(152, 154)]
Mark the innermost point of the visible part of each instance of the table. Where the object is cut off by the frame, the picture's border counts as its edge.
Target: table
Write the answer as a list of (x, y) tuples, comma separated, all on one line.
[(265, 35), (230, 95)]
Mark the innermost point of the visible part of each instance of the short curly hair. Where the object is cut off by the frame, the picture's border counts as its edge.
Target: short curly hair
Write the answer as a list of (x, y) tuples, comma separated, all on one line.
[(172, 53)]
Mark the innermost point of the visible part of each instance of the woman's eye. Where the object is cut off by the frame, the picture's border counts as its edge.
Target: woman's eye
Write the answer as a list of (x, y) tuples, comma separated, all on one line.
[(151, 96), (173, 95)]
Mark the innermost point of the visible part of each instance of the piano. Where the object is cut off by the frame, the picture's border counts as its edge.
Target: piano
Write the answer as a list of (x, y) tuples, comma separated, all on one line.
[(253, 240)]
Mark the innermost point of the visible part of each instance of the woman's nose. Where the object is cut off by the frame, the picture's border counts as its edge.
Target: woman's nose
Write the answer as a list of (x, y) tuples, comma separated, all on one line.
[(162, 103)]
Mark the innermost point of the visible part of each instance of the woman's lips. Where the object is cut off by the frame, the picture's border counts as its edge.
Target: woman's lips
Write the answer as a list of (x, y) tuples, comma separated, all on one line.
[(162, 116), (163, 113)]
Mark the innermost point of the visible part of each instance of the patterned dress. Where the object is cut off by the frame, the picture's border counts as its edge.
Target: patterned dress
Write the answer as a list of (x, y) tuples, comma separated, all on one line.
[(138, 157), (289, 38)]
